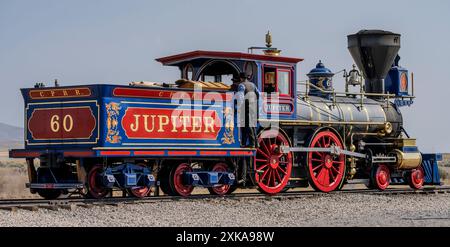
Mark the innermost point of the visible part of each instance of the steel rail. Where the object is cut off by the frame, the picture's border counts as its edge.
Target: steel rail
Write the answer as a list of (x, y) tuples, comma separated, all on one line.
[(68, 203)]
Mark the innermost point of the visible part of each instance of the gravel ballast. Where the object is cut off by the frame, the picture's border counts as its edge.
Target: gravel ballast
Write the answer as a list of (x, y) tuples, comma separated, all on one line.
[(324, 210)]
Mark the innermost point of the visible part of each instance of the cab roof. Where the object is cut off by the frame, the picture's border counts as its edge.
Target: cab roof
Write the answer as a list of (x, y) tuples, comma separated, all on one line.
[(177, 59)]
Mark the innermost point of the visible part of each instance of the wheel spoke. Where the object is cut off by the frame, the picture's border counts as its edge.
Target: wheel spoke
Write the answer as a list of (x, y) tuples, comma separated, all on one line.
[(317, 167), (262, 160), (269, 177), (273, 177), (263, 176), (336, 170), (329, 142), (276, 140), (318, 144), (264, 154), (316, 160), (327, 177), (281, 169), (321, 175), (278, 177), (320, 154), (262, 167), (324, 177), (263, 144), (330, 172), (323, 142)]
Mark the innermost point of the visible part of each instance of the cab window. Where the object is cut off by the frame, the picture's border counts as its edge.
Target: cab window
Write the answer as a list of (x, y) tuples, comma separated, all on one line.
[(277, 80), (284, 81), (219, 71)]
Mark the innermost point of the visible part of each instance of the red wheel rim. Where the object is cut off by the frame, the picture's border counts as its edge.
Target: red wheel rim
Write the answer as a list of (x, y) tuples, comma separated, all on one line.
[(96, 188), (220, 190), (179, 187), (326, 171), (382, 177), (273, 168), (140, 191), (417, 178)]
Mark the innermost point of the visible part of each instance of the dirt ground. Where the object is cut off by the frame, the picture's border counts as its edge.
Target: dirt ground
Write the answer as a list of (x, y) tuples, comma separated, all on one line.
[(12, 183)]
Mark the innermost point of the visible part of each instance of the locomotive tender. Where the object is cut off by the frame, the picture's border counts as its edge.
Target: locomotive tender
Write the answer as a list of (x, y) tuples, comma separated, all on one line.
[(92, 139)]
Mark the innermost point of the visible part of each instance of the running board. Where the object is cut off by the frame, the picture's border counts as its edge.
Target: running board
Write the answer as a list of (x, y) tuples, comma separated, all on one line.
[(333, 150)]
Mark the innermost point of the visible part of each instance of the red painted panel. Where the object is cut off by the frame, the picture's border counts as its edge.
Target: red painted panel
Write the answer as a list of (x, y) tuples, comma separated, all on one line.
[(182, 153), (157, 123), (148, 152), (159, 94), (78, 153), (115, 153), (62, 123), (24, 154), (241, 153), (213, 152)]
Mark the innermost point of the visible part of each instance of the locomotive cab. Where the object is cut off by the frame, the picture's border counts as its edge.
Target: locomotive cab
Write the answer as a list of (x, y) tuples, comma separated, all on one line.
[(275, 76)]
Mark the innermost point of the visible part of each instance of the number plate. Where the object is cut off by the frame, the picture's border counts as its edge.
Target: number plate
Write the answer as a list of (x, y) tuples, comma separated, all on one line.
[(66, 124)]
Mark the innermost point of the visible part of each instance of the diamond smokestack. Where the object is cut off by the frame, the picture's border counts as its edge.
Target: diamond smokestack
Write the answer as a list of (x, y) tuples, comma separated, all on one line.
[(374, 52)]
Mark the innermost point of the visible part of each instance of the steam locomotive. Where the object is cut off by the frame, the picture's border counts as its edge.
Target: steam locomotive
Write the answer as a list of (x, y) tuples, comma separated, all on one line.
[(149, 136)]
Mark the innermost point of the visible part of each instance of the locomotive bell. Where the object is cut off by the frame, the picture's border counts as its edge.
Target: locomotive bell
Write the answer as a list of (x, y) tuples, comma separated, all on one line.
[(322, 78), (353, 77)]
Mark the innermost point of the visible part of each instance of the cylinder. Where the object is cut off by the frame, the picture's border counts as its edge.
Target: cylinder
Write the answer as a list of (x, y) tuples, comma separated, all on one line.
[(407, 161)]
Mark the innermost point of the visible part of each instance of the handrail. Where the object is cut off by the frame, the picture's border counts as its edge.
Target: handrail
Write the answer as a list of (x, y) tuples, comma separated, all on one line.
[(351, 93)]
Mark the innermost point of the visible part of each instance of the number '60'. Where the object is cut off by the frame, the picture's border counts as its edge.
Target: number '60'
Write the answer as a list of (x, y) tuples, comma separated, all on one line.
[(67, 123)]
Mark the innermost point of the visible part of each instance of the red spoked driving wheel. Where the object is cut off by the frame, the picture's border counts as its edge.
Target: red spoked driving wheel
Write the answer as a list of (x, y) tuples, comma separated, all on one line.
[(381, 177), (95, 185), (141, 191), (325, 170), (222, 189), (416, 178), (273, 168), (177, 181)]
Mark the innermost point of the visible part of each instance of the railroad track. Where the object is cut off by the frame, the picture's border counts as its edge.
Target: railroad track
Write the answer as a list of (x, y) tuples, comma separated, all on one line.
[(74, 202)]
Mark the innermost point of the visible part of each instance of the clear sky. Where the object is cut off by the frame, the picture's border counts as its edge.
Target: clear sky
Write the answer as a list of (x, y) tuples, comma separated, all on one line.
[(106, 41)]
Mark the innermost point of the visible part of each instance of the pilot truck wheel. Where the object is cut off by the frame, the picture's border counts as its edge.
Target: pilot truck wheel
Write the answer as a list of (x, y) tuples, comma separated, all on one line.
[(416, 178), (326, 171), (380, 177), (272, 167)]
